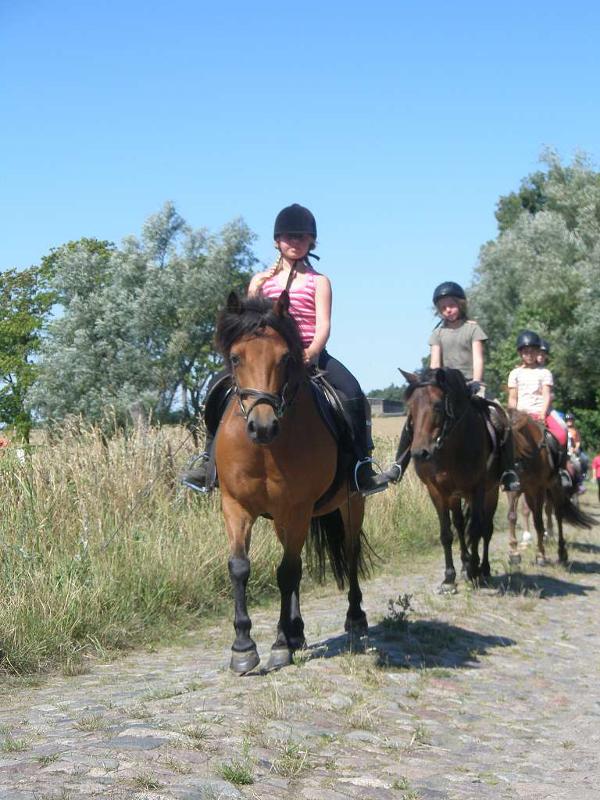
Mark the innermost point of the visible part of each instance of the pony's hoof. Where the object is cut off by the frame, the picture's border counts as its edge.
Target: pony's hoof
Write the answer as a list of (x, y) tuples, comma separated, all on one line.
[(447, 588), (280, 657), (357, 627), (541, 561), (563, 558), (514, 558), (244, 661)]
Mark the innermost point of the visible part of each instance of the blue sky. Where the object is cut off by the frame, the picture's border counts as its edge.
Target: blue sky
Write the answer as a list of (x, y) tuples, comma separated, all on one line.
[(398, 123)]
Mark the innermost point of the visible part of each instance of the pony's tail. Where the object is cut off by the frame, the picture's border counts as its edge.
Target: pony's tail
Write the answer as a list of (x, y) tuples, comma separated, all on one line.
[(326, 543), (573, 515)]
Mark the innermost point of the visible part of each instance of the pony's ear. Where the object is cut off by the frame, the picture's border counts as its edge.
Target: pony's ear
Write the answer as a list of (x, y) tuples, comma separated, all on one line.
[(234, 305), (441, 378), (282, 305), (410, 376)]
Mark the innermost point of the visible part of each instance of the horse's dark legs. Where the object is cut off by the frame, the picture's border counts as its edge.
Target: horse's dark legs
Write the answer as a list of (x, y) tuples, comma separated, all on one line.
[(536, 504), (352, 516), (449, 582), (491, 502), (476, 529), (556, 495), (244, 655), (290, 629), (458, 518)]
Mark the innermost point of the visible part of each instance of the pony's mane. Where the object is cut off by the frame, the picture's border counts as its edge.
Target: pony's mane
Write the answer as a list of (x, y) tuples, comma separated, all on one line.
[(251, 318), (453, 382)]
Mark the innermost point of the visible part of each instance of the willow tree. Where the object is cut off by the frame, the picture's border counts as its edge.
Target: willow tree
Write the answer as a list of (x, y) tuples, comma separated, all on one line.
[(136, 324)]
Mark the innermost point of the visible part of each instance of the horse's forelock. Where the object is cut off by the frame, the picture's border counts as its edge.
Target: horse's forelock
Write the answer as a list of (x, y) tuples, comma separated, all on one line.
[(253, 315), (449, 380)]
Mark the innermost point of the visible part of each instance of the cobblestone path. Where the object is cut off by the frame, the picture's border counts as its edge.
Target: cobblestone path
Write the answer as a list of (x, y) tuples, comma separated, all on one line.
[(485, 694)]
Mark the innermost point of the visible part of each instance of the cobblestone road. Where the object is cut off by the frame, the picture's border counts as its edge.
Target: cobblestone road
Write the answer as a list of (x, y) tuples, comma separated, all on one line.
[(485, 694)]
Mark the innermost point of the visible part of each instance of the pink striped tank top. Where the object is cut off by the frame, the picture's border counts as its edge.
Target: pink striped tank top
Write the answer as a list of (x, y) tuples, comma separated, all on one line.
[(302, 303)]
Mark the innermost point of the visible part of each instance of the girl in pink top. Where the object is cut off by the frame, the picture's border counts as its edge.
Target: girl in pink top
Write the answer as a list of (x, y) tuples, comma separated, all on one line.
[(295, 235)]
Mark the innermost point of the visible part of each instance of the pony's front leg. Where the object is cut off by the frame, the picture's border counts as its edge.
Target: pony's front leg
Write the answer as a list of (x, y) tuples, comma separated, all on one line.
[(244, 655), (448, 585), (555, 502), (290, 628), (476, 525), (536, 504), (458, 518), (353, 513), (514, 557)]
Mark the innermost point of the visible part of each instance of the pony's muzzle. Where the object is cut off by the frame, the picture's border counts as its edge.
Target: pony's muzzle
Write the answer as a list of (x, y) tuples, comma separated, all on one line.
[(262, 431)]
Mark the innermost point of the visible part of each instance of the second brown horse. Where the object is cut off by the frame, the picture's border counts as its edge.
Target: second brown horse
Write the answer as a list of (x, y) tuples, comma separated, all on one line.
[(454, 457)]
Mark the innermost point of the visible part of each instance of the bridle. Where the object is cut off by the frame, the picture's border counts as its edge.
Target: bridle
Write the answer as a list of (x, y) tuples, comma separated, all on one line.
[(450, 420), (279, 401)]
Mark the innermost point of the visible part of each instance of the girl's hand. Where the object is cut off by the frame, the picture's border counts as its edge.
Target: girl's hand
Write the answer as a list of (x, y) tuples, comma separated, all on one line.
[(310, 357)]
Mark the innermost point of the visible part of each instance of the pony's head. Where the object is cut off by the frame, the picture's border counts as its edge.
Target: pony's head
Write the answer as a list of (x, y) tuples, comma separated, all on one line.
[(434, 401), (261, 345)]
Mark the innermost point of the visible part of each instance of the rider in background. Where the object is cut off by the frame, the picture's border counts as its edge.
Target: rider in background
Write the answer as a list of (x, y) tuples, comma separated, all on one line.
[(295, 235), (530, 390), (458, 342), (575, 450), (596, 469)]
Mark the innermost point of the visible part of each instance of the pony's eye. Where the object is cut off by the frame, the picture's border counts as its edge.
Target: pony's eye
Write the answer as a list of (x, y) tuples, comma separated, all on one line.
[(284, 359), (438, 408), (234, 360)]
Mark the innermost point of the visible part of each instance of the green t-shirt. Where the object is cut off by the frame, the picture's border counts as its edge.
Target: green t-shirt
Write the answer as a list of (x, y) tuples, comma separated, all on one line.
[(457, 345)]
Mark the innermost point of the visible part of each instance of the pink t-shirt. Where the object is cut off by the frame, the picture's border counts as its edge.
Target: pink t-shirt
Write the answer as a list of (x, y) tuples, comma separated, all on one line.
[(596, 466), (302, 302)]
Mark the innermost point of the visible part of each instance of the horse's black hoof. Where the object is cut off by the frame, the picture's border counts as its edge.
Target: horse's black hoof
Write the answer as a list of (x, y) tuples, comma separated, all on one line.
[(280, 657), (243, 662), (357, 627), (563, 558), (514, 558), (447, 588)]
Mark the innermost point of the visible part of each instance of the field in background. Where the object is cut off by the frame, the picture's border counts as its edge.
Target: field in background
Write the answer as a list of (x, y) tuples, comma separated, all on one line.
[(101, 548)]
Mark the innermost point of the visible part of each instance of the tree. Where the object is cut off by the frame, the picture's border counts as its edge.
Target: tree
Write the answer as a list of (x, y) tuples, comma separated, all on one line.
[(541, 273), (25, 302), (391, 392), (137, 325)]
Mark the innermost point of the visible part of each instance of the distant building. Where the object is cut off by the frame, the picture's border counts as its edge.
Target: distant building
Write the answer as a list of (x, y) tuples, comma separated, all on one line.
[(381, 407)]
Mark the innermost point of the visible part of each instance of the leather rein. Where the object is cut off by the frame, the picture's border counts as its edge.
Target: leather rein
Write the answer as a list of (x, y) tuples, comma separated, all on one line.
[(279, 401)]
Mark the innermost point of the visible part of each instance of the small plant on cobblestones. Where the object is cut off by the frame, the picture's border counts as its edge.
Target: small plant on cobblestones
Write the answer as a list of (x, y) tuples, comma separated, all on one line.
[(237, 772), (270, 704), (401, 783), (48, 759), (176, 766), (138, 712), (12, 745), (420, 736), (292, 759), (91, 722), (146, 781), (162, 694), (397, 613)]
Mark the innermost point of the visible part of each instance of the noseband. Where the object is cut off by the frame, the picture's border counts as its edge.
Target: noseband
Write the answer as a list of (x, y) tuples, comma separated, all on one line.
[(279, 402)]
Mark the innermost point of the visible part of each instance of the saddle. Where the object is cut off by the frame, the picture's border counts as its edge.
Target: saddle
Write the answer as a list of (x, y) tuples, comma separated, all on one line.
[(329, 403)]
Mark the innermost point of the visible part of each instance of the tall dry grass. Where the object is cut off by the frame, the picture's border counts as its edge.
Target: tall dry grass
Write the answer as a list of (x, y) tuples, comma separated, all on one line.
[(101, 548)]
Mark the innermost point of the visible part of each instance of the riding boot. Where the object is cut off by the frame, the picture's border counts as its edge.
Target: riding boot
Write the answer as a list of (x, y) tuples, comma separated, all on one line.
[(366, 479), (200, 476), (559, 456), (509, 480), (395, 473)]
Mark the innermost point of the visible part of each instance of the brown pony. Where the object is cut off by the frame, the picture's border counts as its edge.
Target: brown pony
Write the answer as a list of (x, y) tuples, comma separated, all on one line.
[(540, 483), (453, 456), (276, 458)]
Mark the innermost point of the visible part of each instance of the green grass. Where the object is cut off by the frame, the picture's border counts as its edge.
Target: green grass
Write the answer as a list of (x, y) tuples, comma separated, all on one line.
[(101, 549)]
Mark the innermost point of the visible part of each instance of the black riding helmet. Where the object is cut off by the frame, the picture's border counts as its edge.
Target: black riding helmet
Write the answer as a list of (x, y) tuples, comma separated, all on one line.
[(448, 289), (545, 346), (295, 219), (528, 339)]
